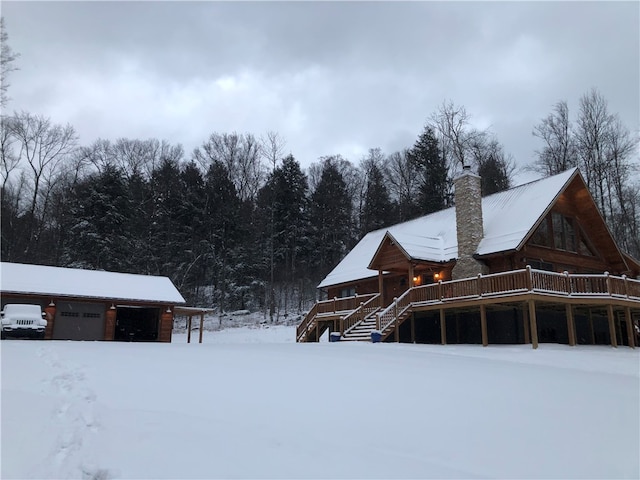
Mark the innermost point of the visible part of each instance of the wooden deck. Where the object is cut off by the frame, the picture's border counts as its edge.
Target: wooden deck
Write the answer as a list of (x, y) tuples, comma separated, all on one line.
[(525, 286)]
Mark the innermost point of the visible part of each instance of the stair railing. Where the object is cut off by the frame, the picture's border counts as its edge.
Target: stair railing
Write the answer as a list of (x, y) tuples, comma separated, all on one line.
[(394, 311), (363, 311)]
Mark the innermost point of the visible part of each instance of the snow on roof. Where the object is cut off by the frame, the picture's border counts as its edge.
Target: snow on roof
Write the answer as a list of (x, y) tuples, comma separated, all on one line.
[(507, 216), (75, 282)]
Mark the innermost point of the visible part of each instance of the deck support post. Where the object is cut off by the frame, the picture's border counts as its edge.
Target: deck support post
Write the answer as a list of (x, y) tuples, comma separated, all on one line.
[(534, 323), (413, 328), (483, 325), (380, 288), (411, 275), (189, 329), (629, 322), (318, 331), (571, 327), (612, 326), (443, 327), (591, 331), (201, 327), (525, 322)]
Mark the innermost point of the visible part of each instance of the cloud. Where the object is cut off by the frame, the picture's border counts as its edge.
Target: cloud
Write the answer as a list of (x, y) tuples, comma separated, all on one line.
[(331, 77)]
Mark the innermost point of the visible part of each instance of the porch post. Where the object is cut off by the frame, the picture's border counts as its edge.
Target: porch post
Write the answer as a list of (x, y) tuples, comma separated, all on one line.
[(201, 327), (591, 331), (483, 325), (612, 326), (571, 327), (411, 283), (534, 323), (413, 328), (50, 310), (380, 288), (443, 327), (525, 321), (630, 330), (110, 323), (189, 329)]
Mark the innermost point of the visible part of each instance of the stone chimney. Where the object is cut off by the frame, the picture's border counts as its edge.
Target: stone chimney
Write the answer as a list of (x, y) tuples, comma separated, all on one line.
[(468, 200)]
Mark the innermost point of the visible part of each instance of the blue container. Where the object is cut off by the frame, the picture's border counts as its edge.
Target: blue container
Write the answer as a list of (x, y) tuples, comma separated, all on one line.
[(376, 336), (334, 337)]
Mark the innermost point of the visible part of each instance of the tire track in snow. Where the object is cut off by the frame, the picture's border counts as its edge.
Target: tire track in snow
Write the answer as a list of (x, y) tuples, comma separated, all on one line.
[(74, 420)]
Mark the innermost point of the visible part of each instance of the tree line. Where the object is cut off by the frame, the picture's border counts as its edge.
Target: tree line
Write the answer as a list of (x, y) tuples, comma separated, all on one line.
[(239, 224)]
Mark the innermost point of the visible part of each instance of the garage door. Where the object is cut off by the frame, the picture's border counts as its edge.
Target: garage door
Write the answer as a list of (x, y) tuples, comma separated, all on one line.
[(79, 321)]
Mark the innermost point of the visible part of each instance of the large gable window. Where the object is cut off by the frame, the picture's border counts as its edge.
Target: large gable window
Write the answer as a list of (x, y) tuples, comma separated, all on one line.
[(541, 235), (562, 233)]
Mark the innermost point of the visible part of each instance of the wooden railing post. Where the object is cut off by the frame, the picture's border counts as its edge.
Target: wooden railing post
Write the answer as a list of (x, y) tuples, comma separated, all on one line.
[(334, 303), (626, 286), (606, 276), (567, 282), (440, 289), (529, 278), (396, 332), (378, 321), (479, 284)]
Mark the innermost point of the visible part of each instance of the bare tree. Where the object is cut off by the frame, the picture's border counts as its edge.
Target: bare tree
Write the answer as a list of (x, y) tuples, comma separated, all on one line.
[(8, 156), (403, 182), (559, 151), (7, 59), (241, 154), (42, 147), (272, 148), (456, 134)]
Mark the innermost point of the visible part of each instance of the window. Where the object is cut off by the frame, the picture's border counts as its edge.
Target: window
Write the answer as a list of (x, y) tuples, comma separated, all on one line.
[(540, 265), (347, 292), (564, 235), (541, 235), (584, 247)]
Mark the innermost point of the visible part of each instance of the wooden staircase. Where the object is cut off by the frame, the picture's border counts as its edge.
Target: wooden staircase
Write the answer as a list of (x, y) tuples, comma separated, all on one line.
[(341, 315)]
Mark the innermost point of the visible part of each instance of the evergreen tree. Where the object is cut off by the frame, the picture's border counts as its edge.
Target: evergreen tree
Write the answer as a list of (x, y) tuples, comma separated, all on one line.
[(223, 217), (100, 239), (432, 171), (331, 210), (378, 211)]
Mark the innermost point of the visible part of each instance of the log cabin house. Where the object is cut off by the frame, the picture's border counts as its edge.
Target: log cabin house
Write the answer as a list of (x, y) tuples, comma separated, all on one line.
[(535, 263), (94, 305)]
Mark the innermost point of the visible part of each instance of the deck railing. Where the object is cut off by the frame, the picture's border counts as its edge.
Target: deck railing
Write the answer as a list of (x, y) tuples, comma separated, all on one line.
[(497, 284)]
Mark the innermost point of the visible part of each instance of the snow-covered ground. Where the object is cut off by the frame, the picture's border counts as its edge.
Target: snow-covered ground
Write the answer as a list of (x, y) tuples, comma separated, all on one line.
[(251, 403)]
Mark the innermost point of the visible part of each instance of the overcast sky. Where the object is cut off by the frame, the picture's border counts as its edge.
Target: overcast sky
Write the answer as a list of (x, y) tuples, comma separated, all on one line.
[(330, 77)]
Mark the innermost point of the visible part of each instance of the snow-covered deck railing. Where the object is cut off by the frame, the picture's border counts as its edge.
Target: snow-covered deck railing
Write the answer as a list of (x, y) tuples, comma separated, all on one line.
[(332, 306), (364, 310), (505, 284)]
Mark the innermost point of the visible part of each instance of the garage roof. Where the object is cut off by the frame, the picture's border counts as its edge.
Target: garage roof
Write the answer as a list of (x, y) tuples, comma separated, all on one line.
[(19, 278)]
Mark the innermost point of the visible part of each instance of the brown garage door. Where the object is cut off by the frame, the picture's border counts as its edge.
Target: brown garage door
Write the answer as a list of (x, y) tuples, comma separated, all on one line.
[(79, 321)]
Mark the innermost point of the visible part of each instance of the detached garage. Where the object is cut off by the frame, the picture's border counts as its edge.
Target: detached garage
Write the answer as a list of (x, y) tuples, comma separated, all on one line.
[(94, 305)]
